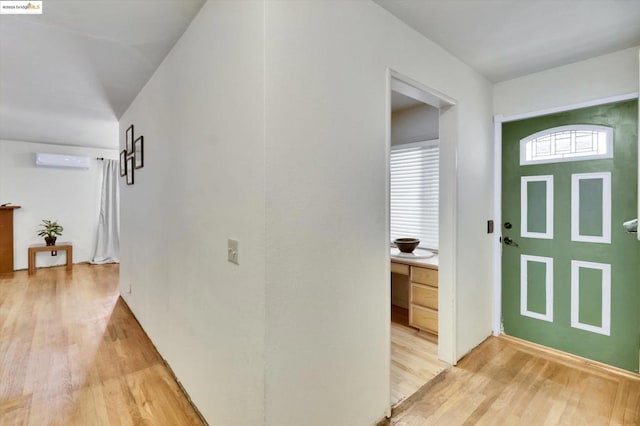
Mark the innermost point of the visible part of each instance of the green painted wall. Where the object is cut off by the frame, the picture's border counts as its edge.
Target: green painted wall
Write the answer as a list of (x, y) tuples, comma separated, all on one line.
[(622, 347)]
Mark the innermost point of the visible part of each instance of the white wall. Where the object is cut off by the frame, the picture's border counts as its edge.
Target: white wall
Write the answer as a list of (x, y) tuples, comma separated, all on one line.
[(327, 336), (70, 196), (291, 160), (202, 118), (416, 124), (592, 79)]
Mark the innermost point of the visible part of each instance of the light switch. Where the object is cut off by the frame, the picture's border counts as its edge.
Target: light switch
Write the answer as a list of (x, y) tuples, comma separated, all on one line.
[(232, 251)]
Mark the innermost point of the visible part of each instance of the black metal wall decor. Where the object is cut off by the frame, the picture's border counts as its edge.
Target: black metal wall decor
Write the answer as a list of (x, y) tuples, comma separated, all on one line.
[(138, 152), (129, 140), (130, 169), (123, 162), (132, 157)]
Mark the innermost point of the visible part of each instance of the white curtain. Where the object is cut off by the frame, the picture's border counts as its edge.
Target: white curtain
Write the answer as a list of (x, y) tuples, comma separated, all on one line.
[(108, 241)]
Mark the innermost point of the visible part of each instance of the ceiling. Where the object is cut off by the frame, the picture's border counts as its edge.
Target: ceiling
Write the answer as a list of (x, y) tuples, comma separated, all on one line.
[(401, 102), (504, 39), (66, 76)]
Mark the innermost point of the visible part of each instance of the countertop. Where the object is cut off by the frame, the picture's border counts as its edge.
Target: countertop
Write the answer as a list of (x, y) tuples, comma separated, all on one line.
[(431, 262)]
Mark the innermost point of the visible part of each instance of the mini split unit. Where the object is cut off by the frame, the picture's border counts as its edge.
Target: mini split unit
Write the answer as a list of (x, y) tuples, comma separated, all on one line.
[(64, 161)]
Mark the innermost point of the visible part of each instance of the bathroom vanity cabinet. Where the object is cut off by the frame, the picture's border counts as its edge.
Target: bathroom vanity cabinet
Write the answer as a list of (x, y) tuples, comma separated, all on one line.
[(423, 292)]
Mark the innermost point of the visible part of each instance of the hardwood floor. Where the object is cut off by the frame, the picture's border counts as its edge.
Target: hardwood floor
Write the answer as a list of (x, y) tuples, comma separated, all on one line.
[(506, 383), (414, 357), (71, 353)]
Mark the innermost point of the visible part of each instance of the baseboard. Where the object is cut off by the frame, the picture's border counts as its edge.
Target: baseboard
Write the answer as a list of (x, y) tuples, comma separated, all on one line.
[(570, 359), (84, 262), (166, 364)]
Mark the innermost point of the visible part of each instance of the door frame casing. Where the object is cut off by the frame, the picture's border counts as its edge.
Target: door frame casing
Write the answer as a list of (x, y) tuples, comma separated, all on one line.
[(448, 209), (448, 121), (497, 201)]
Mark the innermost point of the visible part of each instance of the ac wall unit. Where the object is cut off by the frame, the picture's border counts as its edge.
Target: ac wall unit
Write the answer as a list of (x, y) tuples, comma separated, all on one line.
[(61, 160)]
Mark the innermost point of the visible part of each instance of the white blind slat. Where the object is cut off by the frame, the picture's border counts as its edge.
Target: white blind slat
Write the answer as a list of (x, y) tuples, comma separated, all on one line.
[(414, 193)]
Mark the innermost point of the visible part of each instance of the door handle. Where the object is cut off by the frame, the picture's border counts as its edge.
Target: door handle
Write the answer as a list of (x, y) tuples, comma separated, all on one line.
[(508, 241)]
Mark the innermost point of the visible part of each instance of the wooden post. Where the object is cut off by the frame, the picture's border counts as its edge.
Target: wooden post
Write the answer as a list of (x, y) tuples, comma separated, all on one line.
[(6, 238)]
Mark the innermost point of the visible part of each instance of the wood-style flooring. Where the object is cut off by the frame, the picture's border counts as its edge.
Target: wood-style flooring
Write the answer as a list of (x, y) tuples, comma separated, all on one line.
[(71, 353), (503, 382), (414, 357)]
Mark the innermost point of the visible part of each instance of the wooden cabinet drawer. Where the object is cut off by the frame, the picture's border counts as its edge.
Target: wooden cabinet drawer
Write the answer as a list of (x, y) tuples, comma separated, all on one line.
[(424, 296), (424, 276), (399, 268), (424, 318)]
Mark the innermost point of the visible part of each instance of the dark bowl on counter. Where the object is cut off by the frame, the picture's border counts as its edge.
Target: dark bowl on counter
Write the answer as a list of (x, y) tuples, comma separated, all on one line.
[(406, 245)]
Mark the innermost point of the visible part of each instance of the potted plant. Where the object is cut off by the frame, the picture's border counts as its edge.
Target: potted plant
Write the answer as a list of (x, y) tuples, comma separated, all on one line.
[(50, 231)]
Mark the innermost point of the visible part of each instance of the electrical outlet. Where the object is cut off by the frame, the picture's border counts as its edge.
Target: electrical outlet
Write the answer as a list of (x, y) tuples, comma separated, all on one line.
[(232, 251)]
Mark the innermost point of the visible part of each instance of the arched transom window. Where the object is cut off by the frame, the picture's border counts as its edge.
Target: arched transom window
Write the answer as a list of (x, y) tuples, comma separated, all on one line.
[(567, 143)]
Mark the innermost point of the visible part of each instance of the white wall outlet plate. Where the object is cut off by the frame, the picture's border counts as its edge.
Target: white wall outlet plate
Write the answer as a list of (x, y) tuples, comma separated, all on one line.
[(232, 251)]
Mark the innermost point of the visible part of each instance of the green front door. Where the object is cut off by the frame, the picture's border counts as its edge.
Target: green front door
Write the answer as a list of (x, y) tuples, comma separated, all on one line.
[(570, 272)]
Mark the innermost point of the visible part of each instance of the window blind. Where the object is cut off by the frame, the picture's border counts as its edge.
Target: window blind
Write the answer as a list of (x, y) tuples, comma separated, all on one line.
[(414, 192)]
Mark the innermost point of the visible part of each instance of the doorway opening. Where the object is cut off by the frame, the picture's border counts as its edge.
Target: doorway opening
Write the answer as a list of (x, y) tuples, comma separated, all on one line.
[(414, 212)]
